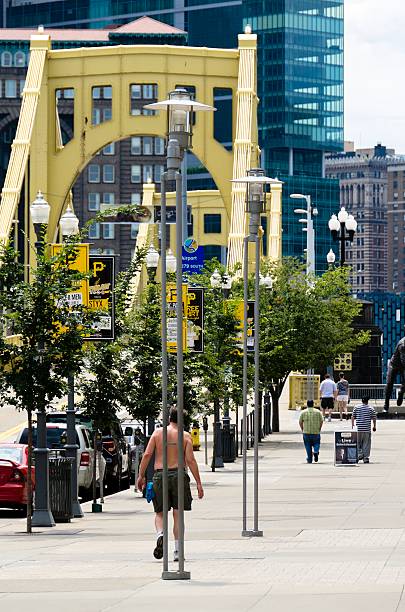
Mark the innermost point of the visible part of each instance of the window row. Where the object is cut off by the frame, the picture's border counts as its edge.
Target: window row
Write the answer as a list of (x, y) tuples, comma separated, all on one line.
[(95, 199), (146, 173), (147, 145), (98, 174), (18, 59), (106, 231), (11, 88)]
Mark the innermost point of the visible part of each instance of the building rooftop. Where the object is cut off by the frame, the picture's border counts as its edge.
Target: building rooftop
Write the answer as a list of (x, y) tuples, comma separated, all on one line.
[(142, 26)]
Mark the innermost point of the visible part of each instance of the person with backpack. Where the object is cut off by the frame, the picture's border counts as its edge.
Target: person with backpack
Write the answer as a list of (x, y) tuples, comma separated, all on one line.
[(342, 395)]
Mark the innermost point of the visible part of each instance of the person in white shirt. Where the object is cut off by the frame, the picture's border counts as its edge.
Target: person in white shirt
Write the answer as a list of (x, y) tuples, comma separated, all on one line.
[(328, 392)]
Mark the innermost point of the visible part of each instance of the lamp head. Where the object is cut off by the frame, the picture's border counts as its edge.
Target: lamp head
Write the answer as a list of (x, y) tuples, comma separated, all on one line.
[(226, 281), (171, 262), (40, 210), (331, 257), (342, 215), (216, 279), (69, 223), (152, 258), (334, 224)]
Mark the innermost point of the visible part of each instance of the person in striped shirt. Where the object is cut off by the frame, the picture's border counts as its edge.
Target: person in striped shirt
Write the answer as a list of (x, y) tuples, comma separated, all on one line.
[(363, 414)]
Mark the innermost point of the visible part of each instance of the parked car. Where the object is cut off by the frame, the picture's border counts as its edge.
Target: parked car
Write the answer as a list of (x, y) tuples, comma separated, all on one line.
[(116, 450), (133, 432), (56, 439), (13, 476)]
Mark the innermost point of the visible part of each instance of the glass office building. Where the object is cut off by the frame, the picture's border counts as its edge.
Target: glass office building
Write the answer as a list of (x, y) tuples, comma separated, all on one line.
[(300, 83)]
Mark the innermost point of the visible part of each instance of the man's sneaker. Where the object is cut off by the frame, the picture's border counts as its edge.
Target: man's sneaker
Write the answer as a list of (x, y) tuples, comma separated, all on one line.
[(316, 455), (366, 460), (158, 552), (176, 555)]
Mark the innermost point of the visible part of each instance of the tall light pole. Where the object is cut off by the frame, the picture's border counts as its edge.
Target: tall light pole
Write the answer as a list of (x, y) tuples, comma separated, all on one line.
[(69, 225), (342, 227), (309, 212), (256, 182), (42, 516), (180, 107)]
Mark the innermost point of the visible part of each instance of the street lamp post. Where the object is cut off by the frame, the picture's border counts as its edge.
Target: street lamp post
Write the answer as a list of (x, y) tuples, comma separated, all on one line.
[(180, 107), (69, 225), (255, 205), (42, 516), (217, 458), (310, 212), (342, 227)]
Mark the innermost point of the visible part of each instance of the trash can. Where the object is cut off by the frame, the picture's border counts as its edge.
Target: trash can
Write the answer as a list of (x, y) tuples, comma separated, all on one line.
[(60, 489), (229, 443), (195, 435)]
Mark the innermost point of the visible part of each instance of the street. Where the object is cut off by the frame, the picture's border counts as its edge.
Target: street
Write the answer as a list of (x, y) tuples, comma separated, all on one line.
[(334, 538), (11, 422)]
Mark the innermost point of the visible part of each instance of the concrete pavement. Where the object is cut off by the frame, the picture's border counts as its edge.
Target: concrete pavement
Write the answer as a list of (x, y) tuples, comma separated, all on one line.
[(334, 538)]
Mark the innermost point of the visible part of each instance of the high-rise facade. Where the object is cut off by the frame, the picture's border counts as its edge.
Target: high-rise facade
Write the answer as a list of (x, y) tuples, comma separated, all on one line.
[(396, 225), (300, 81), (362, 177)]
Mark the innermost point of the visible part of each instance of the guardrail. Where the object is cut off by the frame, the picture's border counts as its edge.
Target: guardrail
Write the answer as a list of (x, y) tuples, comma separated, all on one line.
[(374, 392)]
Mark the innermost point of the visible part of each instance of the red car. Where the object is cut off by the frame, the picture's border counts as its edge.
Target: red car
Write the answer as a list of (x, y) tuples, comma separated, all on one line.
[(13, 475)]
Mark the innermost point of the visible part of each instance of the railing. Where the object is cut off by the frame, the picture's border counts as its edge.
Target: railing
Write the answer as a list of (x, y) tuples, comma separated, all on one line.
[(374, 392)]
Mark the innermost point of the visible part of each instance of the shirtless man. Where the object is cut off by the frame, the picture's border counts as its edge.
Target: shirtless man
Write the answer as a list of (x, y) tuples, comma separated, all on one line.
[(156, 446)]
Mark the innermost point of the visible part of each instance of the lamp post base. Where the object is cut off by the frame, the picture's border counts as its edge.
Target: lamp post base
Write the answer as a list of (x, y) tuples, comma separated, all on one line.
[(77, 510), (176, 575), (252, 534), (42, 518)]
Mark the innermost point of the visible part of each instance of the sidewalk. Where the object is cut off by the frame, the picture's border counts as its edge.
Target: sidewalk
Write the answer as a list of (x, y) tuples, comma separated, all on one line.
[(334, 539)]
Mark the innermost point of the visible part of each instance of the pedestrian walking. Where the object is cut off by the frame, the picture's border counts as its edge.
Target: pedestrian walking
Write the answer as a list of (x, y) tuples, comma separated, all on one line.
[(328, 392), (342, 395), (311, 421), (363, 414), (156, 446)]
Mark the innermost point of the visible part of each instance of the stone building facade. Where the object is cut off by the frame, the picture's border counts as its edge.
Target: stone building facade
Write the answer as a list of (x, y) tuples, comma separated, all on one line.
[(363, 182)]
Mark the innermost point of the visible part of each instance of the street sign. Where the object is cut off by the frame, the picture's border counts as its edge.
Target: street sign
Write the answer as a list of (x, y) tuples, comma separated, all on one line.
[(346, 448), (170, 214), (172, 317), (80, 296), (101, 296), (195, 319), (192, 263)]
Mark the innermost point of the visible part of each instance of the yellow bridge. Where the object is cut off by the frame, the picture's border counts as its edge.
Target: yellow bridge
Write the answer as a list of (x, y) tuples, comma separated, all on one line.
[(39, 161)]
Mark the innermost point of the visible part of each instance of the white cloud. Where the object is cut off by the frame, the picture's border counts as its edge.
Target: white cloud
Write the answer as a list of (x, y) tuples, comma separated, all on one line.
[(374, 73)]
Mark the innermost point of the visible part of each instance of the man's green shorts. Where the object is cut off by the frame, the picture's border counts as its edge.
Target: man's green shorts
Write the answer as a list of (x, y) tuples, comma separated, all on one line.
[(172, 490)]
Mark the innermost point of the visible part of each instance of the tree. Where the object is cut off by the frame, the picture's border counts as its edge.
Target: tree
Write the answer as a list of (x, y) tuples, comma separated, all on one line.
[(304, 324), (49, 335)]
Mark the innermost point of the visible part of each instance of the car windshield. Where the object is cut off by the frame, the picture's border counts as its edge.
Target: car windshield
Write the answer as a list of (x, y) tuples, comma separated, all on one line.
[(12, 453), (55, 437)]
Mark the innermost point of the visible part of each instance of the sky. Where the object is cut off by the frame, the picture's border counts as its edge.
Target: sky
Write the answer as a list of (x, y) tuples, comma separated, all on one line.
[(375, 73)]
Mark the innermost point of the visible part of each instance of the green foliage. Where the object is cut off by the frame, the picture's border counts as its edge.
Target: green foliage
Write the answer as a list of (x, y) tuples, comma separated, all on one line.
[(33, 371)]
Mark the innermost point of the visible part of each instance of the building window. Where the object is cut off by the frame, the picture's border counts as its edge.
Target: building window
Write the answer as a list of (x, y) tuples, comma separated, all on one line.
[(107, 114), (109, 149), (159, 169), (108, 173), (93, 173), (148, 92), (147, 174), (6, 59), (134, 230), (136, 173), (141, 95), (159, 146), (94, 231), (93, 201), (108, 251), (96, 116), (136, 92), (135, 199), (108, 199), (10, 88), (108, 231), (22, 85), (136, 145), (211, 251), (147, 145), (19, 59), (212, 224)]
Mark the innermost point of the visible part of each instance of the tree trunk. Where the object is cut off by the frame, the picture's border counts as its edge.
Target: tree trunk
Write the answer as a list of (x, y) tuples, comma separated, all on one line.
[(29, 473), (275, 397)]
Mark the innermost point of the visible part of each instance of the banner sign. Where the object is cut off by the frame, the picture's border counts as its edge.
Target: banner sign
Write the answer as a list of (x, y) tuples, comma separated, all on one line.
[(193, 263), (172, 317), (346, 448), (195, 319), (170, 214), (250, 325), (101, 296), (80, 296)]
